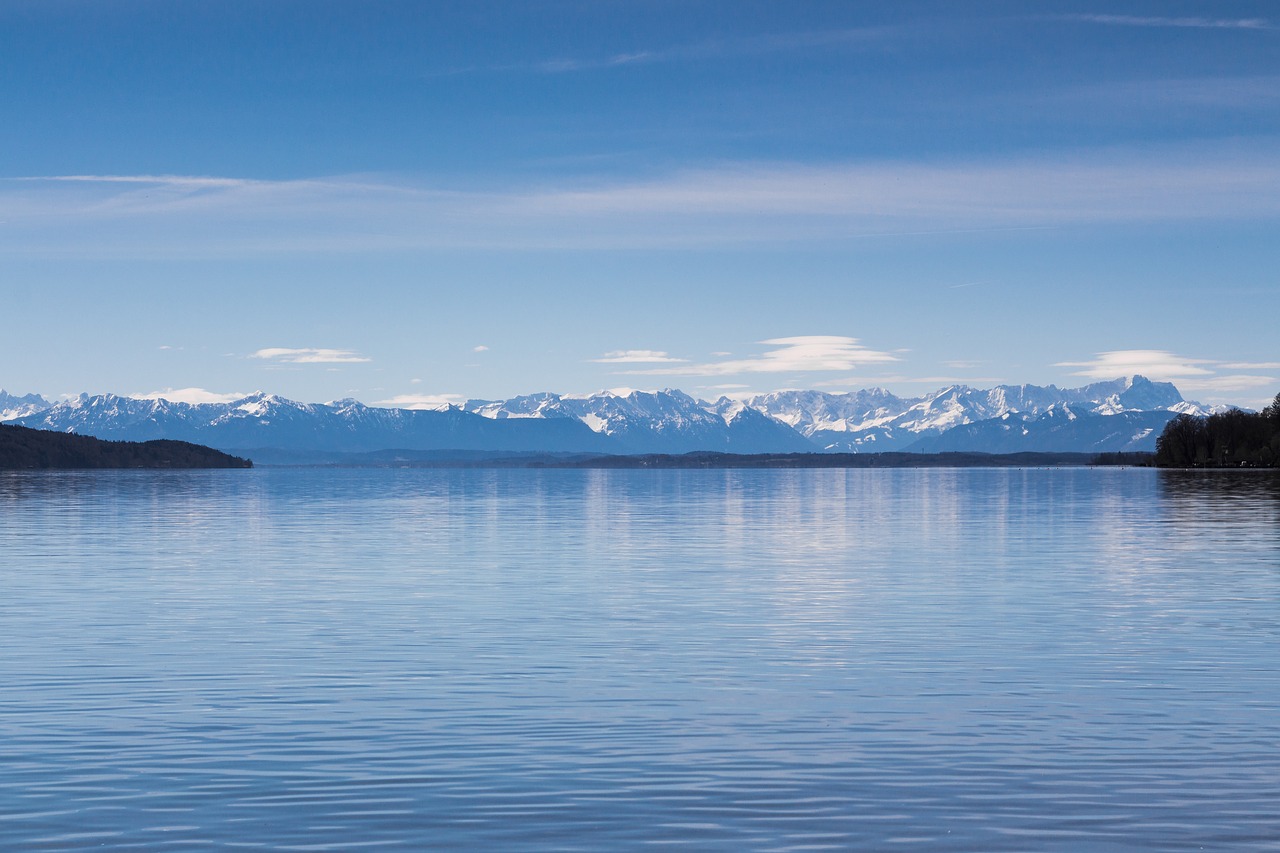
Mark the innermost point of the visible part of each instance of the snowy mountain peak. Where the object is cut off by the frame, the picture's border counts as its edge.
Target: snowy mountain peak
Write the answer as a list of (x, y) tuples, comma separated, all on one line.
[(875, 420), (665, 421), (13, 407), (728, 409)]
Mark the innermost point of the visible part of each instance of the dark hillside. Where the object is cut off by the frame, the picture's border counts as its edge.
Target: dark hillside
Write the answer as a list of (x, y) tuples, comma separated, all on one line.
[(22, 448)]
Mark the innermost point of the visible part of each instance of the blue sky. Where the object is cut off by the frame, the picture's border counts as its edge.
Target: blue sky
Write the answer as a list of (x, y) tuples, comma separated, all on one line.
[(417, 202)]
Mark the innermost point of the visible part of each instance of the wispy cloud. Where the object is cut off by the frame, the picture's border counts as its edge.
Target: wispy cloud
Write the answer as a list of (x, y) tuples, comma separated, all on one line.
[(480, 348), (709, 49), (1153, 364), (1192, 375), (801, 354), (187, 181), (619, 391), (636, 356), (854, 383), (1109, 186), (191, 395), (746, 203), (1138, 99), (564, 65), (1180, 22), (310, 355), (425, 402), (1226, 383)]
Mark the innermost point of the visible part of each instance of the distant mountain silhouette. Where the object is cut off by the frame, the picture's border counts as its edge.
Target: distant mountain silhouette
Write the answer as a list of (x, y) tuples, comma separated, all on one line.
[(22, 448)]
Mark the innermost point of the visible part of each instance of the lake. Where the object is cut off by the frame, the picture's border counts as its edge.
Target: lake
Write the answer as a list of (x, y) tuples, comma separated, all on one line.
[(924, 659)]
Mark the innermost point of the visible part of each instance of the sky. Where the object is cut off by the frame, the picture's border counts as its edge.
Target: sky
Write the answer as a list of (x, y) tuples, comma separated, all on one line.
[(411, 203)]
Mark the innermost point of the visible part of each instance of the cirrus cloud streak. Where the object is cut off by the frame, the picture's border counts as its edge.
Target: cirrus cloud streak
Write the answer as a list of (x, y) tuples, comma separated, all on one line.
[(743, 203), (1185, 22)]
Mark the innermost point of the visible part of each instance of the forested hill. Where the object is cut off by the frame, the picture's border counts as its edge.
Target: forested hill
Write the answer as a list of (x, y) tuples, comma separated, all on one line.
[(1233, 439), (23, 448)]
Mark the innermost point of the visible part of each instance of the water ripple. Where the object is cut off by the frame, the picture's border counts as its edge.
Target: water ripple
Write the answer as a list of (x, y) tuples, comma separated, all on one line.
[(577, 660)]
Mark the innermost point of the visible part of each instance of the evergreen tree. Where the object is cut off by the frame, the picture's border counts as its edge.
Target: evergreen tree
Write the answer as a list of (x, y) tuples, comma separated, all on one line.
[(1231, 439)]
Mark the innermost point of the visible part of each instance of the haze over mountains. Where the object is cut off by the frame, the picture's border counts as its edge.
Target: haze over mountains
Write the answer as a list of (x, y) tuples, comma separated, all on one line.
[(1120, 415)]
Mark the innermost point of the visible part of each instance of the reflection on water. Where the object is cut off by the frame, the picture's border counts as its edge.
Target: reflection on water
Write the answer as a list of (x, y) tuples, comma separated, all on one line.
[(1214, 495), (921, 659)]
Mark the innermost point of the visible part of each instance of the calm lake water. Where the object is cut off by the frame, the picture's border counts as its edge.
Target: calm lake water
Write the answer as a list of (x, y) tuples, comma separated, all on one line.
[(581, 660)]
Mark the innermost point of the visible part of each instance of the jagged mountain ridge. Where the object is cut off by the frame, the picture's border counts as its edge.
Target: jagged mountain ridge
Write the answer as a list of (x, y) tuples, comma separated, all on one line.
[(269, 421), (1060, 428), (639, 423), (668, 421), (875, 421), (13, 407)]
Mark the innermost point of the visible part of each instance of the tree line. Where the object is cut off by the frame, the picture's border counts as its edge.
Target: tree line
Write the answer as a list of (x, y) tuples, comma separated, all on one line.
[(1234, 439), (23, 448)]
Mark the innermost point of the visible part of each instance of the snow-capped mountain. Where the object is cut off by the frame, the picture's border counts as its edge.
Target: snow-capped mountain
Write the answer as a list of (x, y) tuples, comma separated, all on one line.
[(857, 421), (640, 422), (13, 407), (1001, 419), (267, 421), (668, 421), (1060, 428), (876, 421)]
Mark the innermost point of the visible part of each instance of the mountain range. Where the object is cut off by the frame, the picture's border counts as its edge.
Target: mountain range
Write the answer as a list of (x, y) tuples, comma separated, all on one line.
[(12, 407), (1120, 415)]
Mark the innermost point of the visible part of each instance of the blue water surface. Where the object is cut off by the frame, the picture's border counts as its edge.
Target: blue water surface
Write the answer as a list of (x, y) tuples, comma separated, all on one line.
[(1059, 659)]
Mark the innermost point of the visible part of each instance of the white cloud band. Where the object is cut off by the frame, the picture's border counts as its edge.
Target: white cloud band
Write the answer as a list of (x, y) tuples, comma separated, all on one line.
[(192, 395), (310, 355), (1191, 375), (429, 402), (1154, 364), (800, 354), (636, 356)]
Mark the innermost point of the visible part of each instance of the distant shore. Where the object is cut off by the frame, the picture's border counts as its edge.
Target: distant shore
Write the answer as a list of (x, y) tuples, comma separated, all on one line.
[(704, 460), (23, 449)]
